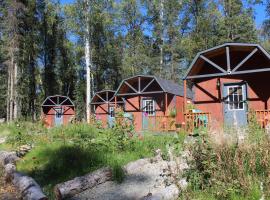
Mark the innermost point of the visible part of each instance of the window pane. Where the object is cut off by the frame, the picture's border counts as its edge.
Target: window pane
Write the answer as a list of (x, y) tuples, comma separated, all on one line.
[(241, 105), (235, 98), (239, 91)]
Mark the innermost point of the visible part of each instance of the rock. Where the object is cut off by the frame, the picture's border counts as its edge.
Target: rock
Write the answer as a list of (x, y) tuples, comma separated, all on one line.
[(135, 165), (168, 193), (183, 183), (2, 120), (145, 180), (3, 140)]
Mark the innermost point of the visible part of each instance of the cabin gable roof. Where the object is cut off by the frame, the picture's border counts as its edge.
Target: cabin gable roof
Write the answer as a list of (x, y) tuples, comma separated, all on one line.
[(229, 59), (57, 100), (149, 84)]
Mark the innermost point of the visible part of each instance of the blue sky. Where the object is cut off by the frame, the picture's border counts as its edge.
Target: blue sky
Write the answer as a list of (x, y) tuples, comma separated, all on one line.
[(259, 12)]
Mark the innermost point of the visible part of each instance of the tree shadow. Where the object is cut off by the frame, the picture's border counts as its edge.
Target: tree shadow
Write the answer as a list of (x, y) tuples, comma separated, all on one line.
[(67, 162)]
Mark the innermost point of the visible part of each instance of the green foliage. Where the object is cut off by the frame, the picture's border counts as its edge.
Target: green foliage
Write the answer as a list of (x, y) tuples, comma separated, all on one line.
[(230, 171), (62, 153)]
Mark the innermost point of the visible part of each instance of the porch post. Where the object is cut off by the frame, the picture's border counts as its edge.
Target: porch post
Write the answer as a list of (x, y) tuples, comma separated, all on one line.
[(185, 95), (140, 103), (166, 104), (115, 104), (90, 113), (166, 112)]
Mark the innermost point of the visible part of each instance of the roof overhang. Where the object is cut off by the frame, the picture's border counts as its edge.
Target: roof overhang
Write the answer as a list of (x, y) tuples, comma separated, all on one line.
[(139, 89), (229, 67), (104, 97), (57, 101)]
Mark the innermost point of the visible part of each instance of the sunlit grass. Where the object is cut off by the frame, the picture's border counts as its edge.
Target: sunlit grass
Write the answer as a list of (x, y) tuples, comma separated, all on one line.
[(62, 153)]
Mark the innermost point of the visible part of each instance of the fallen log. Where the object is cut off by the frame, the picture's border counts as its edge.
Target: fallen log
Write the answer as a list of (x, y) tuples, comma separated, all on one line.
[(8, 157), (27, 186), (70, 188)]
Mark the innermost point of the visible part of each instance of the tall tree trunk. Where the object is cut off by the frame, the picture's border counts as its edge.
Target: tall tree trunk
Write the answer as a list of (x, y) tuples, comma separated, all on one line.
[(161, 15), (15, 89), (88, 61)]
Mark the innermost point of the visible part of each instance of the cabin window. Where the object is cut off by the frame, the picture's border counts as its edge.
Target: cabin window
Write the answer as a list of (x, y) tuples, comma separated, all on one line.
[(235, 98), (111, 111), (58, 112), (149, 107)]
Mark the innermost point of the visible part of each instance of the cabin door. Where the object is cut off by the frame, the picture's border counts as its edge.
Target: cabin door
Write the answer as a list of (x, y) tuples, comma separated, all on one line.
[(111, 116), (148, 108), (235, 106), (58, 117)]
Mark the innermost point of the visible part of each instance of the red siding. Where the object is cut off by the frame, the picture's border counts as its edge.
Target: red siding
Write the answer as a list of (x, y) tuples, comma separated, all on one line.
[(206, 91), (133, 106), (68, 114), (101, 112)]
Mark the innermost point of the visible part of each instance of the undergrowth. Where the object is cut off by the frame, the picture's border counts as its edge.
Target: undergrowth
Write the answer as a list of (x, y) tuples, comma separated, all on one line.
[(231, 170), (62, 153)]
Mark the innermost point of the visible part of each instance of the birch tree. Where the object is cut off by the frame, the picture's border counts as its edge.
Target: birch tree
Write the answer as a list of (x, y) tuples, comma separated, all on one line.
[(88, 58), (12, 41)]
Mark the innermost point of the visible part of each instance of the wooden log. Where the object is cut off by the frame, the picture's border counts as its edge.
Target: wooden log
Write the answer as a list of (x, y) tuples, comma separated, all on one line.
[(70, 188), (28, 187), (9, 169), (7, 157)]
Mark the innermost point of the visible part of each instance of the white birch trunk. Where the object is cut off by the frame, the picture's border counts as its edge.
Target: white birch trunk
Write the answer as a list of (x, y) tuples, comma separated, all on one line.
[(15, 96), (161, 15), (87, 61), (88, 77), (8, 95), (11, 103)]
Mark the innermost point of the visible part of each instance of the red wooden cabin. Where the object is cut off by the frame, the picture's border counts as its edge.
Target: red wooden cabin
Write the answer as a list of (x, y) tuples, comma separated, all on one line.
[(103, 105), (153, 103), (57, 110), (229, 82)]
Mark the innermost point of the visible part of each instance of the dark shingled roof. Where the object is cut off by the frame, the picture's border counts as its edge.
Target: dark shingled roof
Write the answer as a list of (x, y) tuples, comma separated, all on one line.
[(167, 86), (172, 87)]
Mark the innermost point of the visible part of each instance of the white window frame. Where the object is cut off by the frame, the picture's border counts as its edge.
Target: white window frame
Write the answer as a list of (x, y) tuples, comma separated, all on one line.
[(58, 113), (228, 92), (145, 107), (111, 111)]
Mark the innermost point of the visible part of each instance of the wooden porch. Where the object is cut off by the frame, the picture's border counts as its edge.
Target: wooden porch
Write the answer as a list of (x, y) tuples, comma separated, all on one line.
[(261, 116), (161, 123), (194, 120)]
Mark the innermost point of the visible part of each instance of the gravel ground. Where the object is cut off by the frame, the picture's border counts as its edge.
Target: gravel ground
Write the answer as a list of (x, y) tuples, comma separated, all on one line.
[(144, 179)]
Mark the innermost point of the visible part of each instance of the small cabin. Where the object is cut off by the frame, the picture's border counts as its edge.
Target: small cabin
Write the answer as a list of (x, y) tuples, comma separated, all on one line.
[(103, 106), (57, 110), (230, 83), (154, 103)]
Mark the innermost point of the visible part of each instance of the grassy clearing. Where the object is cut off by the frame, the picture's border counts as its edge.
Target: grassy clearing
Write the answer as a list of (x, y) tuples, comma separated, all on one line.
[(62, 153)]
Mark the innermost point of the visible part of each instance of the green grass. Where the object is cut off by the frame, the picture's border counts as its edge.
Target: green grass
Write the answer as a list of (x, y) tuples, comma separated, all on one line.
[(62, 153)]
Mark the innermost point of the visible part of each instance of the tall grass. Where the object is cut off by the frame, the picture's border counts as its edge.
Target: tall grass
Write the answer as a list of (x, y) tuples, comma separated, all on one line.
[(231, 170)]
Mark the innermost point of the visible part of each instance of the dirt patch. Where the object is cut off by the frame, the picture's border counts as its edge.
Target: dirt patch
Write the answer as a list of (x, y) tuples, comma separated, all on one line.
[(7, 190)]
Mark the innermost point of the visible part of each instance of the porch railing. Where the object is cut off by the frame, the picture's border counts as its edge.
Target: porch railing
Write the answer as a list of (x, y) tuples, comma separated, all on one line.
[(261, 116), (195, 120), (161, 123)]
